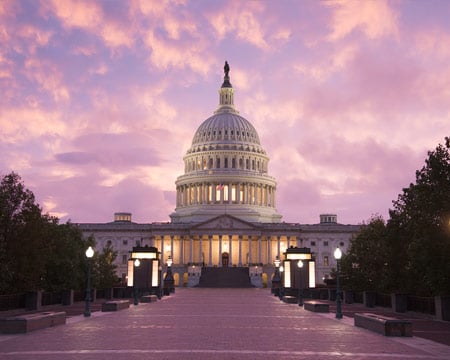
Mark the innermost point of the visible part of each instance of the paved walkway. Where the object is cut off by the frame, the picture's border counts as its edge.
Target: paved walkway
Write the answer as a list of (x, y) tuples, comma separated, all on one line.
[(214, 324)]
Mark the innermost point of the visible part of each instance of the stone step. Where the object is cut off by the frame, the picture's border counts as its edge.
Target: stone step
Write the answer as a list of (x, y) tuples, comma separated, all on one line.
[(225, 277)]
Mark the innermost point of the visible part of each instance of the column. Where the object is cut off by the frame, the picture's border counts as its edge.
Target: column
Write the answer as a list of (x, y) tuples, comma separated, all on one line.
[(230, 185), (220, 250), (191, 249), (171, 246), (213, 192), (162, 249), (278, 247), (230, 252), (195, 193), (200, 253), (240, 250), (182, 250), (210, 251), (269, 249), (245, 193), (249, 250), (259, 250)]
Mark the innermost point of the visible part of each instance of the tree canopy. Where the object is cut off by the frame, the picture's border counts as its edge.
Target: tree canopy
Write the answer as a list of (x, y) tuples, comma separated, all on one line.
[(411, 252), (36, 252)]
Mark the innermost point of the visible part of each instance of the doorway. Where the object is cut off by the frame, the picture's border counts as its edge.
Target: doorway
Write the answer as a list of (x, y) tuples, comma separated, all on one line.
[(225, 259)]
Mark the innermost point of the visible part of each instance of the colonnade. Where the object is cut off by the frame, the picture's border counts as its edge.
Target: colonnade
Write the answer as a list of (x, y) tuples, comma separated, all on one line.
[(226, 193), (223, 250)]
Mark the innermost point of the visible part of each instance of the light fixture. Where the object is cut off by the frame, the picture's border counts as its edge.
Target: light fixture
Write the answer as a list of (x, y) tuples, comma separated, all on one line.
[(87, 308), (337, 256)]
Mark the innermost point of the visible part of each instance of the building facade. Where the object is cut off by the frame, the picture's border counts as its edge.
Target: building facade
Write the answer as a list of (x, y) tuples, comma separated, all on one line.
[(225, 213)]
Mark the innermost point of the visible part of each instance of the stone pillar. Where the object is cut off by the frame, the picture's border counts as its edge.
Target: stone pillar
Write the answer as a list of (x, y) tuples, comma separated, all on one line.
[(191, 249), (210, 250), (442, 307), (259, 250), (230, 186), (398, 302), (162, 249), (230, 252), (171, 246), (269, 249), (240, 250), (181, 251), (220, 250), (200, 252), (249, 250), (279, 247), (67, 297)]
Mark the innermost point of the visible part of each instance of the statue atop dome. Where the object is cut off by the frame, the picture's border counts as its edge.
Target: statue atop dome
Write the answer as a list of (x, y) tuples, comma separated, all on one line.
[(226, 68), (226, 79)]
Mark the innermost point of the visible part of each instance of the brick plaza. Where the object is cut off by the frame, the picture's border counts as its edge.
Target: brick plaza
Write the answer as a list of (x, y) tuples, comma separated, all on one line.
[(214, 324)]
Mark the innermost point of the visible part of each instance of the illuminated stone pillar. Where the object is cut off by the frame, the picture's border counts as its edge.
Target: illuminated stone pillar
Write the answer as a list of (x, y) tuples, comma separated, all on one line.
[(220, 250), (240, 251), (210, 251)]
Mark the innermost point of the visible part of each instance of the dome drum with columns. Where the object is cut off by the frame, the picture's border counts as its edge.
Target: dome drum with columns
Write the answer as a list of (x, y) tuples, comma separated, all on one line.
[(225, 214), (226, 169)]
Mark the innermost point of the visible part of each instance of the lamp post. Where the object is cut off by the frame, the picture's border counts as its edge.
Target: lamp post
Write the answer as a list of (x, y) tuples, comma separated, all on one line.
[(87, 308), (169, 280), (281, 291), (300, 297), (276, 280), (136, 265), (337, 256)]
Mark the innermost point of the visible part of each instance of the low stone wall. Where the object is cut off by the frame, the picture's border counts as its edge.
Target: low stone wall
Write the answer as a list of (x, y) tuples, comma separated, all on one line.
[(149, 298), (30, 322), (316, 306), (115, 305), (383, 325)]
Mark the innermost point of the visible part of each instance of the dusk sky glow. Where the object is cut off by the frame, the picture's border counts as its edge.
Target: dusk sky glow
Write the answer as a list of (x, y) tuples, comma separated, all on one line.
[(101, 99)]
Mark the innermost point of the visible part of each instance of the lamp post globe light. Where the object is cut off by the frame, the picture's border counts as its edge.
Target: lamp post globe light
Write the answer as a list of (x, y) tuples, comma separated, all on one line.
[(87, 308), (337, 256), (136, 265), (300, 295)]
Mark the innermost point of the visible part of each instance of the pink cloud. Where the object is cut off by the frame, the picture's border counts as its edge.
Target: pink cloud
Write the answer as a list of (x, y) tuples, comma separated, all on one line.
[(374, 18)]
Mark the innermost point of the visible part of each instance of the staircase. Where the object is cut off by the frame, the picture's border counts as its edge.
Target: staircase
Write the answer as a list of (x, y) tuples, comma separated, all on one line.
[(225, 277)]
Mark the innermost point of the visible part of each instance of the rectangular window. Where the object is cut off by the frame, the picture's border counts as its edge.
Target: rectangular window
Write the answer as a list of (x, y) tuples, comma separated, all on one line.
[(225, 193), (125, 242), (313, 243), (124, 259), (233, 193), (325, 260), (325, 243)]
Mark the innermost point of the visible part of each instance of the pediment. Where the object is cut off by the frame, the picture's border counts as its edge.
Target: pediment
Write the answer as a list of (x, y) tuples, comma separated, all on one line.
[(225, 222)]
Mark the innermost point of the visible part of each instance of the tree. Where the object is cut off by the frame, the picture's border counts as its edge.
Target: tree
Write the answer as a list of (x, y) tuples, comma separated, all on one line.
[(36, 252), (419, 227), (21, 236), (365, 265), (105, 270)]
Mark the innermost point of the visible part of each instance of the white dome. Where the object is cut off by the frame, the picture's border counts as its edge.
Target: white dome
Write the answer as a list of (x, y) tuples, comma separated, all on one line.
[(226, 169)]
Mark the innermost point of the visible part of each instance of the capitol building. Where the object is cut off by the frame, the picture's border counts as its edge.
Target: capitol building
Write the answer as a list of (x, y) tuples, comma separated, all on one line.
[(225, 214)]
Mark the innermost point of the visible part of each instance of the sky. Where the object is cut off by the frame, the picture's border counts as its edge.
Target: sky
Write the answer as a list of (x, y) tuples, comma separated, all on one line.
[(100, 100)]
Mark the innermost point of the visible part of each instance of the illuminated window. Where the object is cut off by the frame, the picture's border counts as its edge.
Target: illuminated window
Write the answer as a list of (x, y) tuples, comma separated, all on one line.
[(233, 193), (325, 260), (225, 193)]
